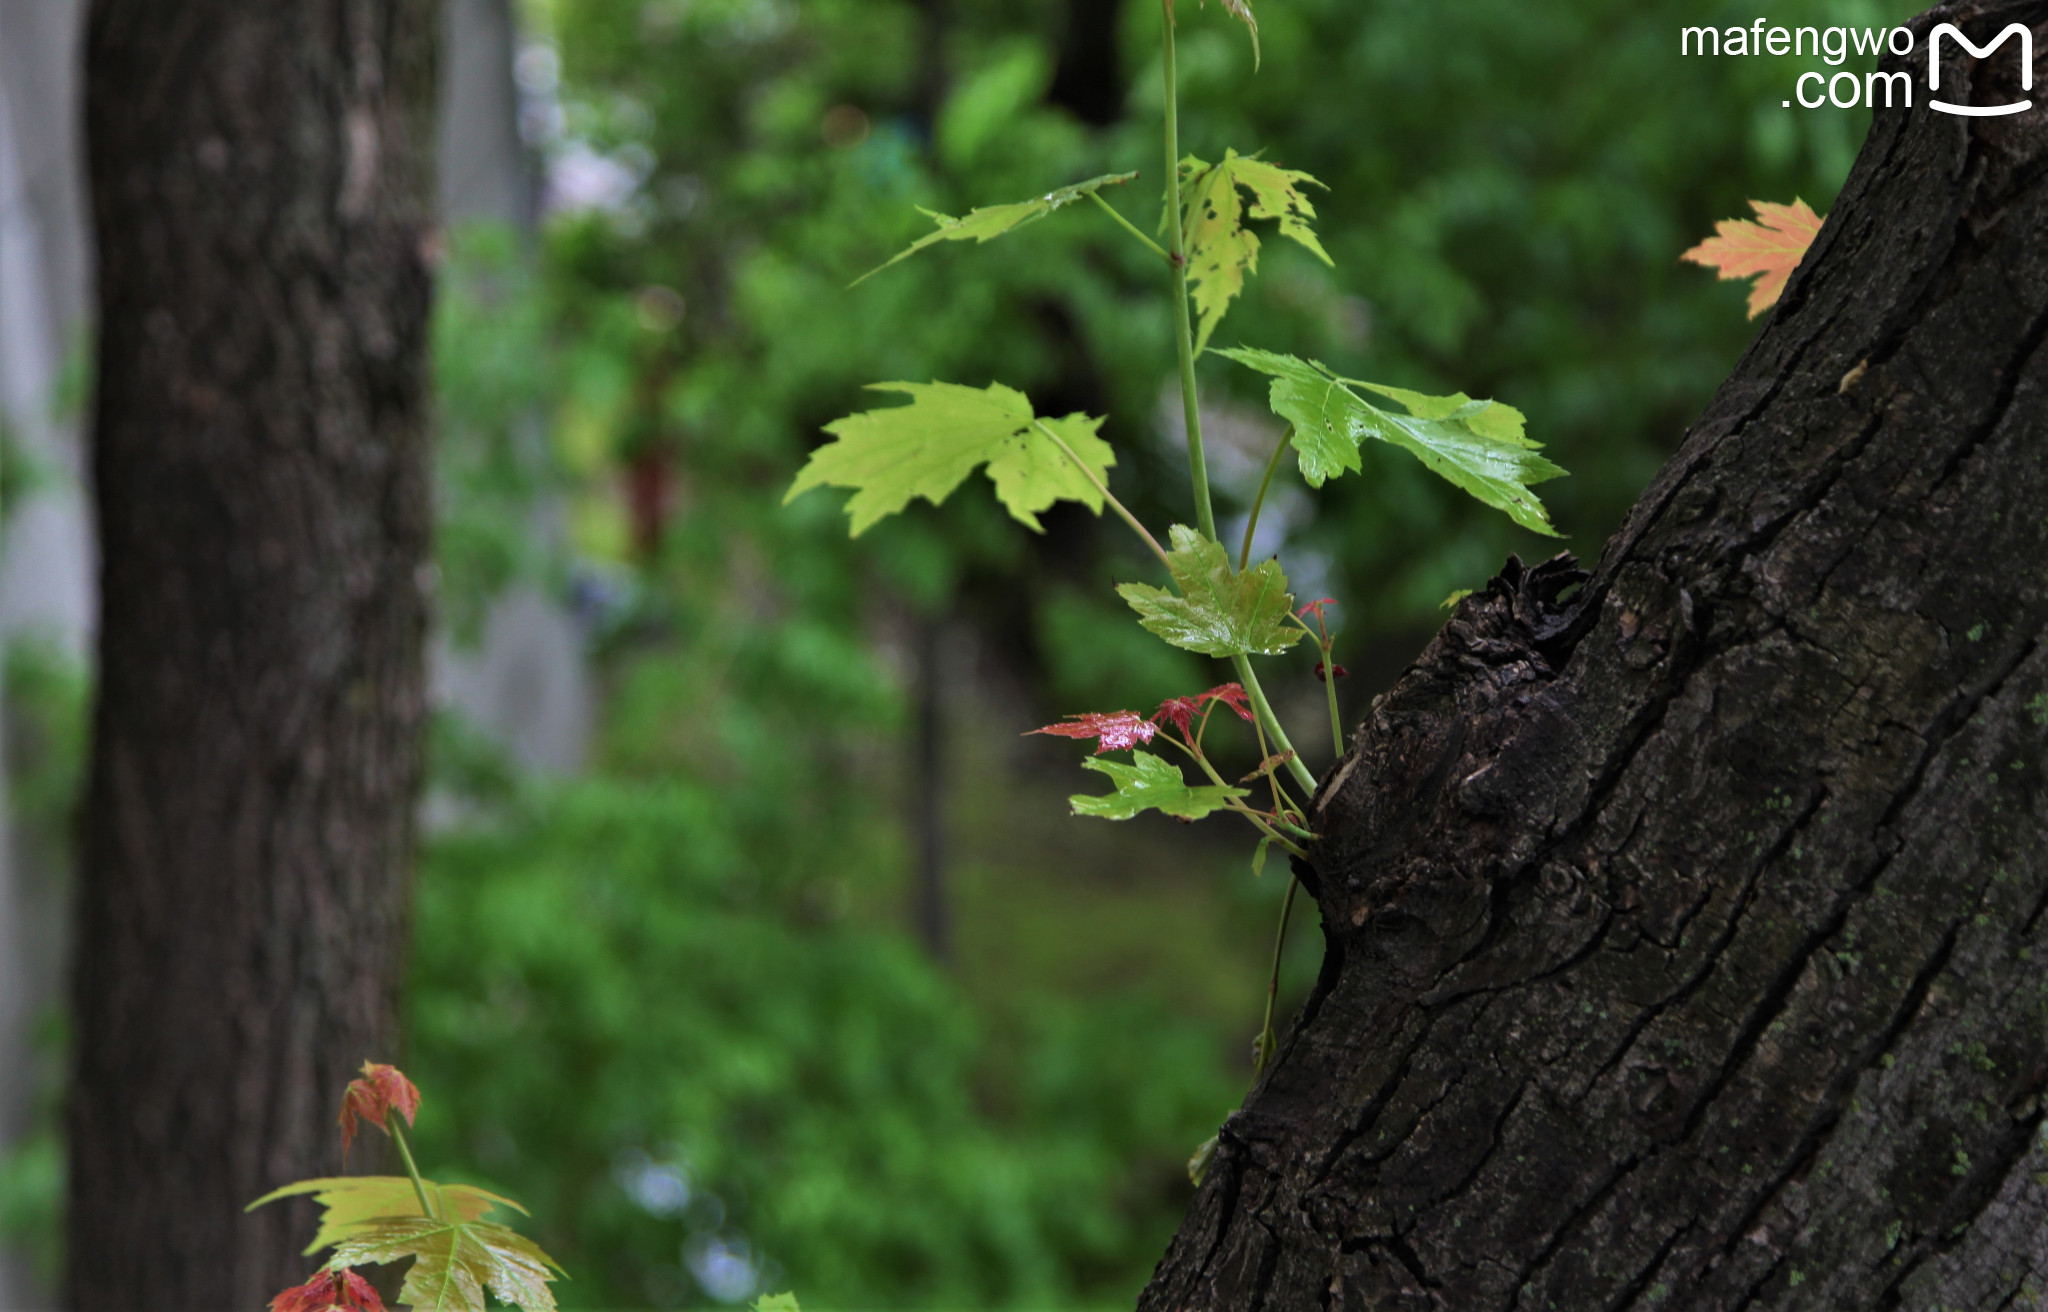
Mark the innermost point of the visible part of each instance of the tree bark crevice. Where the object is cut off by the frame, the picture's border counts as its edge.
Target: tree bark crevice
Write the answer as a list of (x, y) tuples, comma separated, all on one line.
[(1680, 923)]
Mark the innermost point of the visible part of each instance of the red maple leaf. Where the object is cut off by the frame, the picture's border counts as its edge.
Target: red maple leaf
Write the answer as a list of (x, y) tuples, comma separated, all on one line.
[(330, 1291), (1115, 730), (1183, 710), (381, 1090), (1233, 696)]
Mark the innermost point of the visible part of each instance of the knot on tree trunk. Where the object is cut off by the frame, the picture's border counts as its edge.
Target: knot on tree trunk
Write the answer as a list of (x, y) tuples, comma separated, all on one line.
[(1414, 817)]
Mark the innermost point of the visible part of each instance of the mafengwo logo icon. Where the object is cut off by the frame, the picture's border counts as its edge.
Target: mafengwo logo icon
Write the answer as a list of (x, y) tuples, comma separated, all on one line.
[(1846, 90), (2026, 54)]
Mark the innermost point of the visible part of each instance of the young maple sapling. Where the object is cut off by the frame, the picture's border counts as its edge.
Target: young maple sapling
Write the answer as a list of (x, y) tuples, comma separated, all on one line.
[(1232, 610), (456, 1255)]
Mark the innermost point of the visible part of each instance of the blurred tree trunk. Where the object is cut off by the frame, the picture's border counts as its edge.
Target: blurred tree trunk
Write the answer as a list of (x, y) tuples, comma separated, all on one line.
[(1687, 933), (1089, 76), (260, 177)]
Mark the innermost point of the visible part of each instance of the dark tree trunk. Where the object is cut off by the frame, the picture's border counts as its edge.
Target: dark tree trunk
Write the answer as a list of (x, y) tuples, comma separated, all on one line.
[(261, 195), (1685, 933), (1089, 76)]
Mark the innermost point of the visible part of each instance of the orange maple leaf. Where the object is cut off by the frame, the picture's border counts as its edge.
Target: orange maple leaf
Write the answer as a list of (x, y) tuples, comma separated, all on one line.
[(381, 1090), (1771, 248)]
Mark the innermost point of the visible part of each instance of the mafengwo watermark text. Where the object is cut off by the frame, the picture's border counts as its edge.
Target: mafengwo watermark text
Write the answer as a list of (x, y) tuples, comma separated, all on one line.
[(1848, 90)]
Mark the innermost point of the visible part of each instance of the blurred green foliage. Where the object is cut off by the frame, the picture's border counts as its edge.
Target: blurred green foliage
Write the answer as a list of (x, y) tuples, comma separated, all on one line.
[(44, 699), (677, 1049), (494, 374), (46, 693)]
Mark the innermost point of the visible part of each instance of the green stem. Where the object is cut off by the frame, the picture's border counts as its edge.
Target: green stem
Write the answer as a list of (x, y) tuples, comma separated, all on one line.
[(1244, 556), (1238, 806), (1264, 710), (1269, 831), (1183, 328), (1266, 1037), (1278, 838), (1330, 686), (1184, 346), (412, 1169), (1259, 733), (1107, 495), (1129, 227), (1289, 827)]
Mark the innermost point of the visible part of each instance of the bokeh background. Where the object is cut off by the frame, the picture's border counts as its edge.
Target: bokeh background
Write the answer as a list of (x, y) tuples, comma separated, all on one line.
[(755, 948)]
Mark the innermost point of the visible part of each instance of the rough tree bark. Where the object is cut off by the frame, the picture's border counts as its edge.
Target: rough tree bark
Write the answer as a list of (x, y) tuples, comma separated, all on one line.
[(260, 181), (1685, 922)]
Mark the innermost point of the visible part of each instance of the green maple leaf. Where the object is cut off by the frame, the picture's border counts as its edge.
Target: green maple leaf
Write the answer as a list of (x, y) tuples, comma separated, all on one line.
[(377, 1218), (776, 1303), (349, 1203), (454, 1262), (1150, 783), (1476, 445), (992, 221), (1220, 611), (1221, 250), (926, 448)]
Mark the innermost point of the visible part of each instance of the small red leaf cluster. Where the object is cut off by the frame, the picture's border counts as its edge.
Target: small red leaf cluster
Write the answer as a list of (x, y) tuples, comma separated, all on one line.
[(330, 1291), (1334, 671), (1315, 608), (1183, 710), (1117, 730), (380, 1091)]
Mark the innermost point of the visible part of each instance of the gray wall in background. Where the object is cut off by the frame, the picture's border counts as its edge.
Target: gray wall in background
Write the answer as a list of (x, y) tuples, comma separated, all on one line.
[(525, 683), (486, 172), (46, 564)]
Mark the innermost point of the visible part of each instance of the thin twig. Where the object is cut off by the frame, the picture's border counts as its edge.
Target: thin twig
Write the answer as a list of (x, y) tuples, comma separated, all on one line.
[(1266, 1037)]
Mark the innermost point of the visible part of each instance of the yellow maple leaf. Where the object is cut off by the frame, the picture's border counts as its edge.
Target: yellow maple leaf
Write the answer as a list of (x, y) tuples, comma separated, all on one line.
[(1767, 250)]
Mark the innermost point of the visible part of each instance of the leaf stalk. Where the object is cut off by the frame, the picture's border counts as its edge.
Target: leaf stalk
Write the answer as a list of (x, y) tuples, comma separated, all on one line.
[(1122, 511), (419, 1186), (1130, 227), (1330, 686), (1244, 555)]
